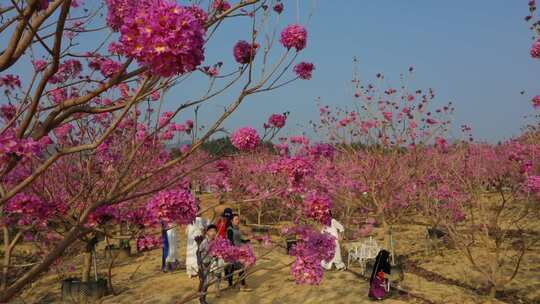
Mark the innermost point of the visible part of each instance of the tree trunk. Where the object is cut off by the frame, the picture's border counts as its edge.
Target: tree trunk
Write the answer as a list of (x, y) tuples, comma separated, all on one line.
[(391, 245), (87, 266), (32, 274), (7, 258), (389, 238), (493, 291), (5, 270), (9, 245)]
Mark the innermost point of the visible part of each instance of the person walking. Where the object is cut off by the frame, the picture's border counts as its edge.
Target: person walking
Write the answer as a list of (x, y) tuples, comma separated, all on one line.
[(165, 248), (208, 264), (193, 230), (334, 229), (169, 259)]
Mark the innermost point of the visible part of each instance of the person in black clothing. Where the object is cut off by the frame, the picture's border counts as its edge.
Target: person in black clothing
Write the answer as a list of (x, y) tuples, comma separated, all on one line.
[(378, 283), (235, 236)]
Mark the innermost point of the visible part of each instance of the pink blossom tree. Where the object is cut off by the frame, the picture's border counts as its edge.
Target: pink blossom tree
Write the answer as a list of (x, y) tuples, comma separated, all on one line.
[(96, 116), (495, 224), (383, 137)]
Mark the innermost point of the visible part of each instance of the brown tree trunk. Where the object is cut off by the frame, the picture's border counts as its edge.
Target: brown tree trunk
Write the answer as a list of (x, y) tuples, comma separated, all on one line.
[(7, 258), (5, 268), (8, 293), (493, 291), (87, 266), (9, 245), (389, 238)]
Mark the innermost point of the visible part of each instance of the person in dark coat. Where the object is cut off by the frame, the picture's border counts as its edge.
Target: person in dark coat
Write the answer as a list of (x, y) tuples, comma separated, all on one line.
[(235, 236), (378, 283)]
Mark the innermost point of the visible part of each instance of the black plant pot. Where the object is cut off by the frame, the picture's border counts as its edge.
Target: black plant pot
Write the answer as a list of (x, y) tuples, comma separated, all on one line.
[(434, 233), (75, 291), (290, 243)]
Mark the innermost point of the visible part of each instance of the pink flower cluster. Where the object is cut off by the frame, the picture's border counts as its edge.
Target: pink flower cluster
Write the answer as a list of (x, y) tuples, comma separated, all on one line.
[(165, 37), (11, 81), (244, 52), (103, 214), (277, 120), (172, 206), (318, 206), (533, 184), (39, 65), (119, 10), (304, 70), (305, 272), (536, 101), (63, 131), (311, 248), (11, 145), (148, 242), (245, 139), (7, 111), (441, 143), (294, 36), (282, 147), (296, 168), (322, 150), (69, 69), (300, 140), (165, 119), (535, 49), (106, 66), (58, 95), (278, 7), (29, 210), (223, 248), (221, 5), (199, 13)]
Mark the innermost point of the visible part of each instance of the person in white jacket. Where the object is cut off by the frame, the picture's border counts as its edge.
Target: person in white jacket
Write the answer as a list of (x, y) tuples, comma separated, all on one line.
[(193, 230), (334, 229)]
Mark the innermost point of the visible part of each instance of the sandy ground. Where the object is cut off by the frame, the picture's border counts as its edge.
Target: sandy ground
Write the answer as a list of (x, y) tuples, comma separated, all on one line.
[(138, 279), (434, 278)]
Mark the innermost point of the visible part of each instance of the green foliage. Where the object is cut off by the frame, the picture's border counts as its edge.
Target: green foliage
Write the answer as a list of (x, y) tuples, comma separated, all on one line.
[(219, 146), (223, 146)]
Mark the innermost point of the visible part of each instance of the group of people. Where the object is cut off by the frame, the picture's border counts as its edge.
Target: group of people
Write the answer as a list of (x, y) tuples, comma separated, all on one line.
[(228, 226), (197, 250)]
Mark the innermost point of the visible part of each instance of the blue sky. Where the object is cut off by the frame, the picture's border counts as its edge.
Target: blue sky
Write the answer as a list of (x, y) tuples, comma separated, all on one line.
[(473, 53)]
